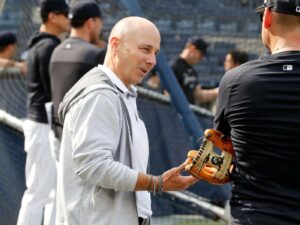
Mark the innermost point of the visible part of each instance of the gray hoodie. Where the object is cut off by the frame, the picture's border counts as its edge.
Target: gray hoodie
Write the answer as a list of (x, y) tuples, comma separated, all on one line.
[(95, 179)]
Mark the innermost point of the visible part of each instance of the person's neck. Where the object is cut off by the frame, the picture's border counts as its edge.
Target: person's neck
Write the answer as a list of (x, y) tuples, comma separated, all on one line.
[(284, 45), (4, 55), (286, 48), (47, 28), (79, 33), (185, 58)]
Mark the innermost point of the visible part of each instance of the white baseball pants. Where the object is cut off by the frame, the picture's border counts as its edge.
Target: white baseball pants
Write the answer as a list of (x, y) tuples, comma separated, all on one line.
[(39, 198)]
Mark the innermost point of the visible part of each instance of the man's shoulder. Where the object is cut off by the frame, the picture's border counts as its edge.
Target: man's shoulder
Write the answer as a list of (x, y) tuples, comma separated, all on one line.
[(80, 45), (44, 46), (178, 62), (179, 65), (48, 41), (94, 76), (93, 81), (242, 72), (76, 50)]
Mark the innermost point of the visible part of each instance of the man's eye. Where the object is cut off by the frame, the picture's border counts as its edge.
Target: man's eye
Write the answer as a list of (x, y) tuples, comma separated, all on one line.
[(145, 49)]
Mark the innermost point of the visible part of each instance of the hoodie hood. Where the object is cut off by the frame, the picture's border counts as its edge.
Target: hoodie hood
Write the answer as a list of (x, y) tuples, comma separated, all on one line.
[(38, 36), (93, 80)]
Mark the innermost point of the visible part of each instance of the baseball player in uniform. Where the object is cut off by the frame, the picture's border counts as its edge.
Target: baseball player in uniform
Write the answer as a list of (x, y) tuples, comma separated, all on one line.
[(187, 77), (38, 201), (259, 107), (74, 57)]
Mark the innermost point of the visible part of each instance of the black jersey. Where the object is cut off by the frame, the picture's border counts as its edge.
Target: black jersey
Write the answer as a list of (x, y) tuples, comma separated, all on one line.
[(41, 47), (69, 62), (187, 78), (259, 106)]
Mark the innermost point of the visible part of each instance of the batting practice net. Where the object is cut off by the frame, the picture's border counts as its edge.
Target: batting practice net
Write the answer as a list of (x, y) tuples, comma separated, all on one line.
[(224, 24)]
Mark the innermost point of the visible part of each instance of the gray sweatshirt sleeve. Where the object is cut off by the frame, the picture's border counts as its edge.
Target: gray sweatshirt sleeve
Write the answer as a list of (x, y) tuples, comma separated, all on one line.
[(96, 123)]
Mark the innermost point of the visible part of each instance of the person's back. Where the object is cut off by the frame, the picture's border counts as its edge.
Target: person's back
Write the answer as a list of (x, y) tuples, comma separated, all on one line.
[(38, 86), (264, 120), (187, 78), (70, 61), (76, 55), (259, 108)]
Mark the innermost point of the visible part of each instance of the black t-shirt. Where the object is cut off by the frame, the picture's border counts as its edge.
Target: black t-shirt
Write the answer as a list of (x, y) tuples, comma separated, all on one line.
[(259, 106), (41, 46), (69, 62), (187, 78)]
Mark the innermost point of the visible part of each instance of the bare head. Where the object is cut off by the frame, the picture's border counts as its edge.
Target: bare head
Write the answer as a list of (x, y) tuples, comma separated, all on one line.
[(132, 47)]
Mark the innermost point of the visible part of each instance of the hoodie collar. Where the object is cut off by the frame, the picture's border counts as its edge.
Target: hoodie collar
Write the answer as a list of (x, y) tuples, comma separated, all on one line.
[(118, 83)]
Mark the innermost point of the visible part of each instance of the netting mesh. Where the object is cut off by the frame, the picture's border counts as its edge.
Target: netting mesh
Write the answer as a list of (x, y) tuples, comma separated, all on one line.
[(225, 24), (12, 181), (168, 139), (13, 89)]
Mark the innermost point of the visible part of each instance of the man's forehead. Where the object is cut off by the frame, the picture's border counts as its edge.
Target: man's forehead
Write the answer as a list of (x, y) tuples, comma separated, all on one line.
[(146, 38)]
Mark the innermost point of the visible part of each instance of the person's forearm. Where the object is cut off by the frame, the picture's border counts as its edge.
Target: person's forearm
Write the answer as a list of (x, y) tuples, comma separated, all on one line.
[(149, 183), (206, 95), (142, 182), (170, 180), (7, 63)]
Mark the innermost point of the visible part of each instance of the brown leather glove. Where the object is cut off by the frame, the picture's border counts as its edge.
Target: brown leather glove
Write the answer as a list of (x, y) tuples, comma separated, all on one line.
[(205, 164)]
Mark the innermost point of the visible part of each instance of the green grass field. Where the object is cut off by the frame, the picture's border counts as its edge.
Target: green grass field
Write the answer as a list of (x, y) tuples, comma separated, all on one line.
[(185, 220), (204, 222)]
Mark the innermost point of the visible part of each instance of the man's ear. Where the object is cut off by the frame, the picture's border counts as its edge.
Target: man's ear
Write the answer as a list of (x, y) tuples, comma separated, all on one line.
[(114, 42), (267, 18), (51, 16), (193, 47), (90, 23)]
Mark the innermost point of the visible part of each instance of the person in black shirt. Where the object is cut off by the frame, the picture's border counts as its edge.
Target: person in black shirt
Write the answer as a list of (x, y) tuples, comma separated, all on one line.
[(259, 107), (76, 55), (39, 198), (187, 77)]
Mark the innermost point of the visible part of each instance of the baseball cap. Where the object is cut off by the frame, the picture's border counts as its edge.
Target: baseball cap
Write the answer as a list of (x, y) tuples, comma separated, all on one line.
[(200, 44), (47, 6), (291, 7), (7, 38), (83, 10)]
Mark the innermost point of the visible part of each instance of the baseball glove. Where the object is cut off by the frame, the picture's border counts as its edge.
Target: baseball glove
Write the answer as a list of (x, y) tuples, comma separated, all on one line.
[(205, 164)]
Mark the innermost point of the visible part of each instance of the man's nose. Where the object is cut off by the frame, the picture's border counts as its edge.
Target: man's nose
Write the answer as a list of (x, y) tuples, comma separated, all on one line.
[(152, 59)]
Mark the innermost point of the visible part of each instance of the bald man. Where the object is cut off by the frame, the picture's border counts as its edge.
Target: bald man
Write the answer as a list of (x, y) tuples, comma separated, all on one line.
[(104, 155)]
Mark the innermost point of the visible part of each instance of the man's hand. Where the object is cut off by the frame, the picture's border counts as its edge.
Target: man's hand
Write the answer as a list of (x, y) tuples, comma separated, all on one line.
[(174, 181)]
